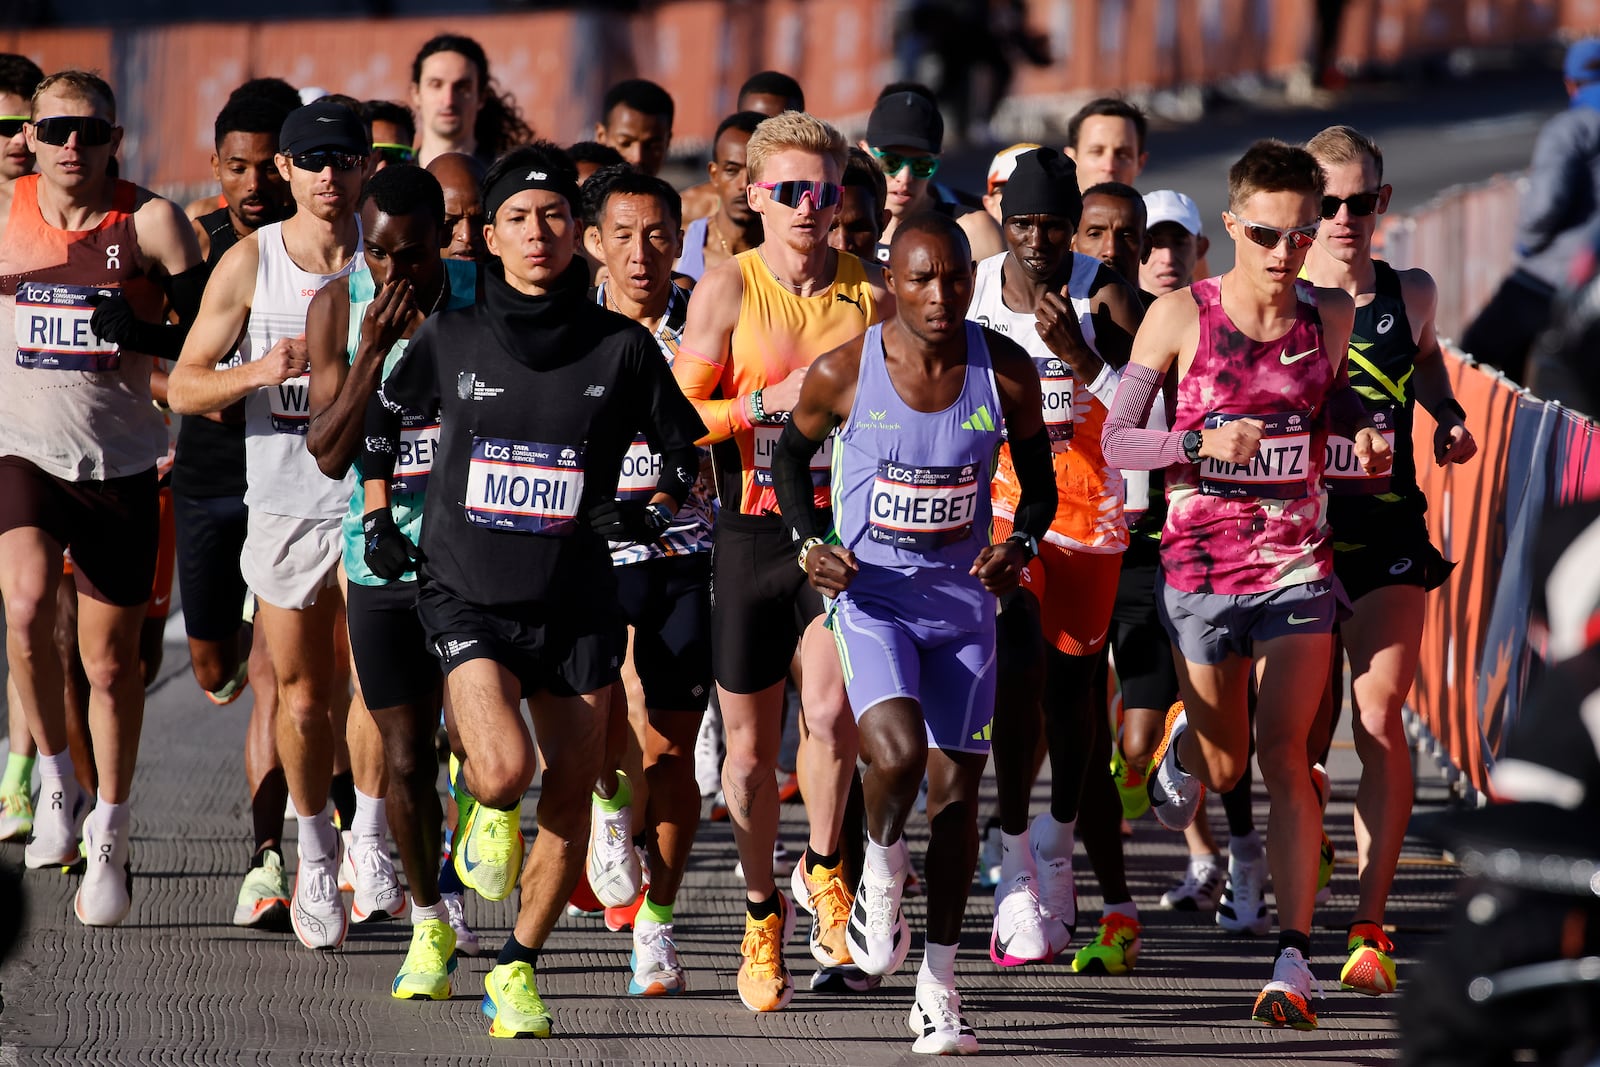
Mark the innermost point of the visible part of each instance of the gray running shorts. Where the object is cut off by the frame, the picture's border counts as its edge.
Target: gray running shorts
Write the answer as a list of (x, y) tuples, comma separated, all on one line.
[(1210, 627)]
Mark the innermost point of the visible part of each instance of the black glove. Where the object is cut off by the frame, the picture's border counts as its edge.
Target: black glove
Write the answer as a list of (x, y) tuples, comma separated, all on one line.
[(388, 552), (113, 319), (628, 521)]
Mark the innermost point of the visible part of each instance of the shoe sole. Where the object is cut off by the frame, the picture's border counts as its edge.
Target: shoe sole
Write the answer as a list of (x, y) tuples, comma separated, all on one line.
[(1152, 781), (1276, 1008), (851, 979), (361, 918), (270, 914), (1366, 967), (458, 857), (1098, 966), (492, 1010)]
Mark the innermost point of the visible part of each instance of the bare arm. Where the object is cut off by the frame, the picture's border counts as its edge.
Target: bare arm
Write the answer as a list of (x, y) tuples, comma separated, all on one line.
[(166, 238), (1452, 441), (881, 297), (824, 401), (330, 436), (982, 234), (196, 384), (999, 566)]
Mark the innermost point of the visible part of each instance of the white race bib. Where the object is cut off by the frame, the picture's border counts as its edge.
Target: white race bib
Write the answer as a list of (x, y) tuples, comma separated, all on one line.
[(767, 444), (1280, 469), (290, 405), (1055, 382), (641, 471), (922, 508), (1343, 470), (525, 486), (418, 444), (53, 331)]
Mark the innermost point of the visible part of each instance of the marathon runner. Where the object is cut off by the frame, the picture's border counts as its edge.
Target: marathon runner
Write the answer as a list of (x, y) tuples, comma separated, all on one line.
[(767, 93), (1112, 229), (392, 129), (755, 324), (1105, 138), (590, 156), (912, 580), (1246, 568), (1000, 168), (518, 594), (1382, 555), (636, 120), (734, 227), (457, 106), (83, 263), (461, 177), (863, 210), (274, 91)]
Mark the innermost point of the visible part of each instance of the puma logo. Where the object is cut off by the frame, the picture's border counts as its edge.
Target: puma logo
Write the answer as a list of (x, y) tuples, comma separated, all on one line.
[(852, 300)]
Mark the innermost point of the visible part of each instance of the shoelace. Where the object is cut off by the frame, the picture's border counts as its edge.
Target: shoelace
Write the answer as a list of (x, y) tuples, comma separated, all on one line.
[(1303, 979), (427, 953), (1058, 897), (1021, 904), (1114, 926), (655, 944), (456, 910), (946, 1010), (831, 902), (520, 991), (319, 883), (614, 846), (494, 844), (760, 947), (880, 905), (369, 858)]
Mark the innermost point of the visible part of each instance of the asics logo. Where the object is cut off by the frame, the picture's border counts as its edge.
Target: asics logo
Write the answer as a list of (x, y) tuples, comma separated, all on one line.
[(1286, 359), (1386, 324), (1295, 620), (1400, 567)]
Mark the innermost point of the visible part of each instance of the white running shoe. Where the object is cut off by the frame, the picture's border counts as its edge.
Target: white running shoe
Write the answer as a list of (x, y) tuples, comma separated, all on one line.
[(613, 864), (377, 890), (1201, 887), (316, 911), (708, 752), (347, 863), (106, 892), (1175, 795), (1058, 890), (455, 907), (1286, 1000), (656, 970), (936, 1021), (1018, 936), (989, 858), (877, 933), (57, 825), (1243, 907)]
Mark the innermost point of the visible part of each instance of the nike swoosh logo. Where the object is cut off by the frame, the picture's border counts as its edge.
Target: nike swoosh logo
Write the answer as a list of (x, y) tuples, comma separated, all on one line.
[(1285, 358), (1295, 620)]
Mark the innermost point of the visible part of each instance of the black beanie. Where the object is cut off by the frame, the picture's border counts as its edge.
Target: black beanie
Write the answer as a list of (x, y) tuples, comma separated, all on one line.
[(1045, 182)]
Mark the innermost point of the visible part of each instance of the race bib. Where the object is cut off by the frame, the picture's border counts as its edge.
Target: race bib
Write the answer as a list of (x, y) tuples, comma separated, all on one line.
[(1280, 469), (1343, 470), (767, 444), (525, 486), (53, 328), (641, 471), (1055, 381), (290, 405), (419, 440), (922, 508)]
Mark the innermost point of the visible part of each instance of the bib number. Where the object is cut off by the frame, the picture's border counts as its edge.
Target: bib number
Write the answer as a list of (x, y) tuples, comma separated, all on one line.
[(922, 509), (1279, 471), (641, 471), (418, 444), (1055, 382), (524, 486), (53, 329), (767, 443), (1343, 470), (290, 405)]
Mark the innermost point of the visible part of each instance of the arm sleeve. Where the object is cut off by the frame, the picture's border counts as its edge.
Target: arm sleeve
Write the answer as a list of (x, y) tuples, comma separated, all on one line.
[(165, 339), (1036, 503), (380, 439), (1124, 441), (791, 482), (1104, 386), (698, 377), (670, 421)]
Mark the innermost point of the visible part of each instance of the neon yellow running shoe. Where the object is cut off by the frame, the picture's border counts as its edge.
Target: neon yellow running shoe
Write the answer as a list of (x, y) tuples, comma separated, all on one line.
[(1370, 968), (425, 974), (1130, 785), (1325, 870), (511, 1000), (1114, 950), (16, 815), (488, 850)]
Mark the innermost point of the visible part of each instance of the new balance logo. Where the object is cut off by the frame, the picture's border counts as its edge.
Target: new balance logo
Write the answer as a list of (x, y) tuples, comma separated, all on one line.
[(980, 420), (595, 390), (536, 176)]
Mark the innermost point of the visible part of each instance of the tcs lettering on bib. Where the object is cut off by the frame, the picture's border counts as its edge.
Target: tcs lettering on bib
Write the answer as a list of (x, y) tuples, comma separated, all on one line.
[(1055, 382), (922, 508), (1343, 470), (1279, 470), (290, 405), (524, 486), (53, 328), (767, 443), (419, 440), (641, 471)]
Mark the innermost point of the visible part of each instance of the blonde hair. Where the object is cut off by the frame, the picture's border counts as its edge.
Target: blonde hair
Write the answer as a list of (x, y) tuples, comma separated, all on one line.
[(86, 85), (1345, 144), (794, 131)]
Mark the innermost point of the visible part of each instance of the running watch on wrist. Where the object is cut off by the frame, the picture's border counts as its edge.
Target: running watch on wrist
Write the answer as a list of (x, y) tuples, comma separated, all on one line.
[(1191, 445), (758, 413), (805, 549), (1028, 543)]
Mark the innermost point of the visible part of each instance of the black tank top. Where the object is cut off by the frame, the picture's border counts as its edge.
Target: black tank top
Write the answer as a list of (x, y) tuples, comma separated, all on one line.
[(209, 461)]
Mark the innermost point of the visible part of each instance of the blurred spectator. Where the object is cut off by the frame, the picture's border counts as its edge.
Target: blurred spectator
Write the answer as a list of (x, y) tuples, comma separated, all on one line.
[(968, 37)]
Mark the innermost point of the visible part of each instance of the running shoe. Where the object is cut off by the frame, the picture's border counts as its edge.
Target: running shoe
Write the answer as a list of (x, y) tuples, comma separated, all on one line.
[(708, 754), (57, 827), (719, 807), (488, 849), (377, 890), (1017, 936), (1325, 870), (455, 907), (656, 970), (233, 689), (582, 903), (764, 982), (851, 979), (106, 893), (1175, 795), (937, 1022), (1370, 968), (425, 974), (1286, 1000), (1058, 891), (1243, 907), (347, 863), (264, 894), (788, 788), (316, 910), (989, 857), (877, 934), (16, 815), (1115, 948), (1130, 785), (622, 919), (1201, 887), (613, 866), (913, 888), (511, 1001), (821, 892)]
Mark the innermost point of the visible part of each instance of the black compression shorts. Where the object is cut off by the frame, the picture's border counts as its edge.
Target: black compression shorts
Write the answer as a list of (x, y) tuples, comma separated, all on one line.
[(1139, 643), (210, 539), (761, 602), (1400, 557), (392, 656), (667, 601)]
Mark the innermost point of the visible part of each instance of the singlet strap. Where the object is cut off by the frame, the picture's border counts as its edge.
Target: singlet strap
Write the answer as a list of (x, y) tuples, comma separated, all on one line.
[(1388, 280), (1207, 292)]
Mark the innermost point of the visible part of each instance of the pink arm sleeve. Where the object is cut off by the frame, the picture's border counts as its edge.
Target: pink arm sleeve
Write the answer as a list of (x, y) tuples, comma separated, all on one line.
[(1124, 440)]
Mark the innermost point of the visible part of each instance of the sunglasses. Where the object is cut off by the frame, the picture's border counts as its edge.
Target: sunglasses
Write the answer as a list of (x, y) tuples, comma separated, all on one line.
[(394, 153), (11, 125), (892, 163), (323, 158), (58, 129), (789, 194), (1360, 205), (1300, 238)]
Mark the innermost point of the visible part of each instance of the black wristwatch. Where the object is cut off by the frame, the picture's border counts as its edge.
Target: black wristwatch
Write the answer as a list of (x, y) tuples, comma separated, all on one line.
[(1028, 542), (1191, 445)]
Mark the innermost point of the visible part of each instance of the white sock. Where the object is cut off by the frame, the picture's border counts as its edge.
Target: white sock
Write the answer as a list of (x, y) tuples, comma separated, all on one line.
[(371, 817), (1209, 862), (318, 840), (1054, 840), (938, 965), (436, 910), (1247, 848), (58, 766), (1128, 910), (885, 861), (109, 816), (1016, 855)]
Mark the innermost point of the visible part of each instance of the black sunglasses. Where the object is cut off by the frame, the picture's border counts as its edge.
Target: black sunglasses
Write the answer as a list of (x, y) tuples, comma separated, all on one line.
[(1360, 205), (56, 130), (11, 125), (323, 158), (395, 153)]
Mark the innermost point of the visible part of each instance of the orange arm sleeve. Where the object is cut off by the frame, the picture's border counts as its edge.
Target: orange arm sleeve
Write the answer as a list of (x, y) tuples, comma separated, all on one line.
[(698, 378)]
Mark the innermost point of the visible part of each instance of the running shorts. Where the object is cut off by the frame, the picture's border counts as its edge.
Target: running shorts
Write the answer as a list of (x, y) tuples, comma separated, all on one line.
[(1405, 559), (761, 602), (667, 601), (1210, 627), (286, 561), (211, 531), (392, 658), (1140, 647), (1075, 590)]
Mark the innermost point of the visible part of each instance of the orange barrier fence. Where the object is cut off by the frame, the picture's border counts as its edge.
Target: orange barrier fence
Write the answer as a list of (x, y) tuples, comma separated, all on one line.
[(171, 80)]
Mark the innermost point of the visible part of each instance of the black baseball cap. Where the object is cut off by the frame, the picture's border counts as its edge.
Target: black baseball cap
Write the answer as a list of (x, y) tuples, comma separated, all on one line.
[(906, 120), (323, 124)]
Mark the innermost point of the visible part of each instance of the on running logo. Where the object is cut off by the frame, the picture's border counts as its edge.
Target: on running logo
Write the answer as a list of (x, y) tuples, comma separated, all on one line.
[(113, 257)]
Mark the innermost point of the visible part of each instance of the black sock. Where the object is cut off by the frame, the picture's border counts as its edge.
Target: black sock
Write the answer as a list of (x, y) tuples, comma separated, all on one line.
[(260, 858), (763, 909), (813, 861), (516, 952), (343, 792), (1236, 805), (1295, 939), (449, 880)]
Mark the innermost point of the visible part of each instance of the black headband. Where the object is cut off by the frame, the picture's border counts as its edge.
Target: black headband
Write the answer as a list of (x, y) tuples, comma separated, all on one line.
[(513, 182)]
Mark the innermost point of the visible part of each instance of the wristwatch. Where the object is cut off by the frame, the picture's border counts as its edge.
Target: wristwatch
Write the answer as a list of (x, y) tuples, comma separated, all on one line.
[(1191, 445), (1029, 543), (660, 518), (806, 547)]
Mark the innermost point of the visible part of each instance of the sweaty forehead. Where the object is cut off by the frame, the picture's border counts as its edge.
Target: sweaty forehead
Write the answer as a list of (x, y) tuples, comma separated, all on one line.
[(66, 101), (1102, 210)]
